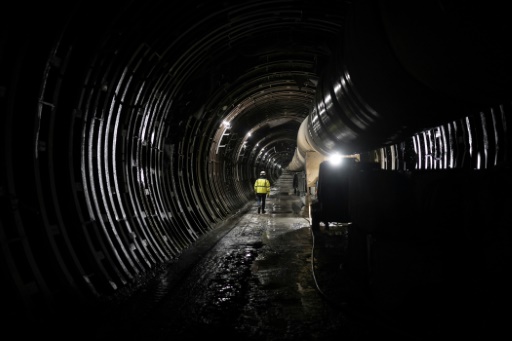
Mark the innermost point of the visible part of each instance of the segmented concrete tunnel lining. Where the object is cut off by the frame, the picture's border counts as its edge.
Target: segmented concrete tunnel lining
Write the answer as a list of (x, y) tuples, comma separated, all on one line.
[(376, 91)]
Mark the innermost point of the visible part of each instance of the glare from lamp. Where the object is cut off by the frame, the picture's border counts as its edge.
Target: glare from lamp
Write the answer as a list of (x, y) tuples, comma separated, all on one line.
[(335, 159)]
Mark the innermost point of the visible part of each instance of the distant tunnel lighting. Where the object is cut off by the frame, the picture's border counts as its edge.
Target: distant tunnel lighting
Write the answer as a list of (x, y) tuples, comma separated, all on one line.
[(335, 159)]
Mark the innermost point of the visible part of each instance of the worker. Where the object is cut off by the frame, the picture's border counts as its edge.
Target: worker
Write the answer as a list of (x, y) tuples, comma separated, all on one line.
[(262, 191)]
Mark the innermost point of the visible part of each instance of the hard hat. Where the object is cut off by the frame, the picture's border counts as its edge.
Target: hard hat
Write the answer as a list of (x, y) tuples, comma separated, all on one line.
[(263, 173)]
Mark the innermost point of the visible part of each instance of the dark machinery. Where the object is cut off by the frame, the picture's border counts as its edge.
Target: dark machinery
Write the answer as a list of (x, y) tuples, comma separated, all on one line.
[(332, 202)]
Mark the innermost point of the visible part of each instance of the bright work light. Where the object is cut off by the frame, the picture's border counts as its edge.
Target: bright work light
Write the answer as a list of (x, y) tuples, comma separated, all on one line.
[(335, 159)]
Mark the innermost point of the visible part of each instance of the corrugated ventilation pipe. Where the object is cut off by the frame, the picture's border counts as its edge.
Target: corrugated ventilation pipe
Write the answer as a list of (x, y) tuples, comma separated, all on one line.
[(393, 79)]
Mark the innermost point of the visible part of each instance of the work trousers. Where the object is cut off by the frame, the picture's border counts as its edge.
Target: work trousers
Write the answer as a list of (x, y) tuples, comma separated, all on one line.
[(261, 198)]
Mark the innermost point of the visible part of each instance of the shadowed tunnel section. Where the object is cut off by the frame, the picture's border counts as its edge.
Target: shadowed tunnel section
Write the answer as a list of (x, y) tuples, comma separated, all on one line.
[(130, 131)]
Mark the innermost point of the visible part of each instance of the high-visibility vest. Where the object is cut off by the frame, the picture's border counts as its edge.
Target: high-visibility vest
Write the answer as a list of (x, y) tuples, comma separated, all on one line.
[(262, 186)]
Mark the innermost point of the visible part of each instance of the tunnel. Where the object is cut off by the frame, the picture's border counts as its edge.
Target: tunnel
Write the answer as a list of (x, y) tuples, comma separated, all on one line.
[(132, 129)]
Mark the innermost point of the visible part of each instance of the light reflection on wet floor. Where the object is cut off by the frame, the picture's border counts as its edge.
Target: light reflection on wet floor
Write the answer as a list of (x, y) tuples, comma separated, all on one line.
[(254, 283)]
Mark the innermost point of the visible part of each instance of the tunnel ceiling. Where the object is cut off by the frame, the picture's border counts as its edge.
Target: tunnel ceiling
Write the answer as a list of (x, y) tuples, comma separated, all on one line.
[(252, 63)]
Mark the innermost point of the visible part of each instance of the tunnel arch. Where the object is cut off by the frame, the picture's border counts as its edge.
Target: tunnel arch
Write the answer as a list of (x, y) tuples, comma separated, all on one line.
[(120, 170), (113, 116)]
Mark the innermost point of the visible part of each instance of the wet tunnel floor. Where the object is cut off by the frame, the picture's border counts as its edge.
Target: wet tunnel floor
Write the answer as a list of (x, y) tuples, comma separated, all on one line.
[(255, 277), (262, 277), (268, 277)]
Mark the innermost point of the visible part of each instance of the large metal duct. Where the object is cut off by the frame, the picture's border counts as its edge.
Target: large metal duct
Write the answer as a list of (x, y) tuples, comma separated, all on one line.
[(304, 144), (392, 79)]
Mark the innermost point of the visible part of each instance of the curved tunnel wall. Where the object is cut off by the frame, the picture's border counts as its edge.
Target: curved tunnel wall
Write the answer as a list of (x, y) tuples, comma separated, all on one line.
[(108, 164)]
